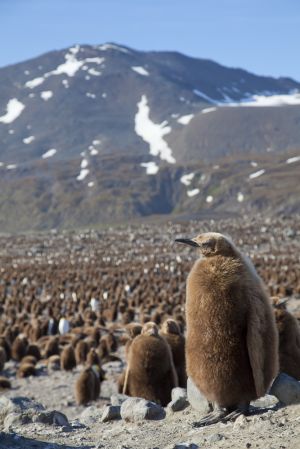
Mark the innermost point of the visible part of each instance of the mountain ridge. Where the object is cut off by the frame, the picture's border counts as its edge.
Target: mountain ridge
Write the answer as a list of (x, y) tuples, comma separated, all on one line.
[(75, 122)]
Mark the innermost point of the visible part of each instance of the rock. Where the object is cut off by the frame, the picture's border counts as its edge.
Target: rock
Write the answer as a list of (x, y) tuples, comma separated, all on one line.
[(14, 419), (136, 409), (178, 404), (178, 393), (215, 437), (91, 415), (286, 389), (196, 398), (52, 418), (111, 412), (17, 405), (182, 446), (118, 399), (266, 401)]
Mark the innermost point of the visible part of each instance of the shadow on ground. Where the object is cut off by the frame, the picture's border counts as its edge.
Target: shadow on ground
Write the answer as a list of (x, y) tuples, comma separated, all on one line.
[(14, 441)]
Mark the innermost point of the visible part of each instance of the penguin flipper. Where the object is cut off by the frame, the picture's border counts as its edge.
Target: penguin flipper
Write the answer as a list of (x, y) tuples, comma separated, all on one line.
[(256, 346)]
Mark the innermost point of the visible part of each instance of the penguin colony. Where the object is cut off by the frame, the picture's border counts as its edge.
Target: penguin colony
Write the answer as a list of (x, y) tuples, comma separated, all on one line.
[(77, 301)]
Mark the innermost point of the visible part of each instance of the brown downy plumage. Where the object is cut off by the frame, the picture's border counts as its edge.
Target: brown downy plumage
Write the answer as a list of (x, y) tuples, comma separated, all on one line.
[(4, 383), (2, 358), (87, 386), (81, 351), (53, 363), (67, 358), (171, 332), (232, 341), (52, 347), (150, 372), (29, 359), (289, 339), (34, 350), (26, 370), (18, 349)]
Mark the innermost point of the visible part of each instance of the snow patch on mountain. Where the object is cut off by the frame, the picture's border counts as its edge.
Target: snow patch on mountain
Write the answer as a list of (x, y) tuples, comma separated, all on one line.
[(204, 96), (153, 133), (207, 110), (46, 95), (70, 67), (257, 174), (94, 72), (140, 70), (151, 167), (269, 101), (49, 153), (14, 109), (83, 174), (185, 119), (291, 160), (192, 192), (187, 179), (106, 47), (28, 140)]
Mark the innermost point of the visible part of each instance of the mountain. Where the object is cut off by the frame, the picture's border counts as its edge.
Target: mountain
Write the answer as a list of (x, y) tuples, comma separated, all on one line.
[(99, 134)]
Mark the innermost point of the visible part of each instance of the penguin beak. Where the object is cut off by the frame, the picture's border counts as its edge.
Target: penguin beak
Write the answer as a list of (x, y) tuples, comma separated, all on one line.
[(189, 242)]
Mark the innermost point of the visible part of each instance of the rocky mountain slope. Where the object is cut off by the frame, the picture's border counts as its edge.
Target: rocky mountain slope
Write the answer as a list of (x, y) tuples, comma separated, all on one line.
[(98, 134)]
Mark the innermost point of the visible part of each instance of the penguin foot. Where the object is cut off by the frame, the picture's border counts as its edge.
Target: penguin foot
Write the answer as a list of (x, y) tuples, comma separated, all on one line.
[(212, 418), (222, 415)]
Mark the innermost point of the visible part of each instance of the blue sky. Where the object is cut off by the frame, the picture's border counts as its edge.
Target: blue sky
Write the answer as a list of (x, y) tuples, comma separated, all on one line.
[(262, 36)]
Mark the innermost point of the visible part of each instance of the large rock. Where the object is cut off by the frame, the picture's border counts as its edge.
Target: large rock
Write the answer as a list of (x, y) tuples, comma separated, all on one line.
[(111, 412), (90, 415), (118, 399), (18, 405), (286, 389), (52, 418), (196, 398), (137, 409)]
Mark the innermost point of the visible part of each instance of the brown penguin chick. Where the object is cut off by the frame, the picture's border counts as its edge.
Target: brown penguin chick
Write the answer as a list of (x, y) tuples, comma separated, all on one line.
[(34, 350), (2, 358), (94, 360), (171, 332), (111, 342), (289, 339), (133, 329), (86, 387), (29, 359), (232, 340), (53, 363), (81, 351), (150, 371), (67, 358), (6, 346), (18, 349), (26, 370), (52, 347), (4, 383)]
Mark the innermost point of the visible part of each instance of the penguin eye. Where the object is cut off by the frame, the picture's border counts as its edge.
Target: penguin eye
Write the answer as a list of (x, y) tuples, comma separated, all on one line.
[(208, 244)]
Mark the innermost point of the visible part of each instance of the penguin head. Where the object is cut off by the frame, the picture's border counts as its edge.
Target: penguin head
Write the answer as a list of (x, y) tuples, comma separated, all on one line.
[(211, 244), (150, 328), (170, 326)]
